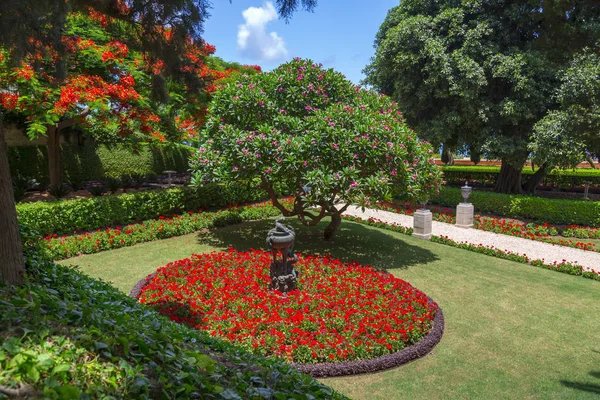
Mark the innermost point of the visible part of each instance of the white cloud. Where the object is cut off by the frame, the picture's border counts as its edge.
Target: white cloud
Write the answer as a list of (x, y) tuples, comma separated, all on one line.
[(253, 40)]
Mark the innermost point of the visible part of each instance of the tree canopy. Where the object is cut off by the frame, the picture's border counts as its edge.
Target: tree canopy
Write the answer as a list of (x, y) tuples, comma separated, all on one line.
[(482, 73), (305, 130)]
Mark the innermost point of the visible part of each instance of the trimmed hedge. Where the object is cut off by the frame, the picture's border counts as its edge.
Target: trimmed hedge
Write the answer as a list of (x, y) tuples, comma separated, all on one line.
[(94, 161), (489, 174), (65, 216), (557, 211)]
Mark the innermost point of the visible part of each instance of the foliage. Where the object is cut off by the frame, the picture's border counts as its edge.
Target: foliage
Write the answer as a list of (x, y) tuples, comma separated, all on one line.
[(107, 87), (575, 124), (489, 174), (227, 295), (65, 335), (62, 247), (64, 217), (58, 191), (557, 211), (312, 130), (463, 73)]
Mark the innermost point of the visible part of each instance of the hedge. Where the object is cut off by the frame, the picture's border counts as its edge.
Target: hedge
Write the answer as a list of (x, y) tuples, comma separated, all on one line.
[(557, 211), (66, 216), (94, 161), (489, 174)]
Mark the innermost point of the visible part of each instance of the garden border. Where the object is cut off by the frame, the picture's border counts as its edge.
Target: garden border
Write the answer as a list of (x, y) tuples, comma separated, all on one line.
[(347, 368)]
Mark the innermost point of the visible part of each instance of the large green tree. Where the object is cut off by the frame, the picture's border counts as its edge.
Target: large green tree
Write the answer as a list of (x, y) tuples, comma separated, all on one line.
[(27, 25), (482, 73)]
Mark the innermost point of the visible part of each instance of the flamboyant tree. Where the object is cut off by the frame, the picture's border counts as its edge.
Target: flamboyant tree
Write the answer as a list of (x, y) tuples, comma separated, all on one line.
[(481, 73), (26, 26), (107, 89), (308, 131)]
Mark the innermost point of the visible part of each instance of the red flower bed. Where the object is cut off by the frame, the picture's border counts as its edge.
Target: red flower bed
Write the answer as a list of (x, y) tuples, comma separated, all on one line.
[(343, 311)]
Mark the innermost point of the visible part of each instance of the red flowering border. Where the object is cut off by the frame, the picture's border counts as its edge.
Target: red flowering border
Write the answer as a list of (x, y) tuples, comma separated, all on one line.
[(564, 266), (513, 227), (388, 361), (424, 345)]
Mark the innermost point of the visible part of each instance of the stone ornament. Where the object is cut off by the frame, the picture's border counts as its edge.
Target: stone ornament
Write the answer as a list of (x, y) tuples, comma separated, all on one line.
[(281, 240), (465, 191)]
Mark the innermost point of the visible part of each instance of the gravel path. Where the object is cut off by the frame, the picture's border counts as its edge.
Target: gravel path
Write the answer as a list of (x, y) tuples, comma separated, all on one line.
[(533, 249)]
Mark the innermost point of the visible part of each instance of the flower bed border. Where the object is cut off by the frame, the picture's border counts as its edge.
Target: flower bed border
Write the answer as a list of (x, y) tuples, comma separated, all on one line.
[(356, 367), (381, 363)]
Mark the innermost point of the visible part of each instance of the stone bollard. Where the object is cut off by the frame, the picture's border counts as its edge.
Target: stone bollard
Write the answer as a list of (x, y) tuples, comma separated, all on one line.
[(422, 224), (464, 215), (465, 210)]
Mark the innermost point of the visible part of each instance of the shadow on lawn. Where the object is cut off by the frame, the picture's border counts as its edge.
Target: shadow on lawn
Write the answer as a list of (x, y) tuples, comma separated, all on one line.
[(353, 242), (585, 386)]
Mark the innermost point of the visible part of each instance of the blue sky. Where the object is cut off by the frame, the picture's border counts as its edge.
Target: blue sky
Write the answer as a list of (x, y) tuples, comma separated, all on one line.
[(338, 33)]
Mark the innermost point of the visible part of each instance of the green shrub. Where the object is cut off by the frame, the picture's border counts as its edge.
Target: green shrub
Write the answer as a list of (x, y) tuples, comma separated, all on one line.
[(489, 174), (94, 161), (63, 217), (557, 211)]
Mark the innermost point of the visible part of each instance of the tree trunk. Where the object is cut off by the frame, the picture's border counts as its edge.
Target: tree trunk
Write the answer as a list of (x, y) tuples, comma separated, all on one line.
[(591, 161), (54, 165), (12, 264), (336, 221), (535, 179), (447, 156), (509, 179)]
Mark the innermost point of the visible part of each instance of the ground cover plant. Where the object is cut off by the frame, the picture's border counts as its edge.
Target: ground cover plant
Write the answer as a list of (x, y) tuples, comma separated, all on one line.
[(501, 325), (64, 335), (340, 312)]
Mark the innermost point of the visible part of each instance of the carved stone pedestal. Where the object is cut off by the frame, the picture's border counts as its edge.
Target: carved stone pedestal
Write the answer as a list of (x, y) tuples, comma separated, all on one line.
[(464, 215), (422, 224), (283, 283)]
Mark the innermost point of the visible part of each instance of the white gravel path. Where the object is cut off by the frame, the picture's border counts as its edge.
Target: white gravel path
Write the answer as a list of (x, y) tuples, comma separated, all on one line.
[(533, 249)]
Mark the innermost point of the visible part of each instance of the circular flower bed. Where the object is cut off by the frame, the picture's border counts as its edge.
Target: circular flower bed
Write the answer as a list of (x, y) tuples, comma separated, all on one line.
[(341, 312)]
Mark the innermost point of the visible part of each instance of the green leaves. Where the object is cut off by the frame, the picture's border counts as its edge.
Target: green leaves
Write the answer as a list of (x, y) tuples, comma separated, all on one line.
[(302, 126)]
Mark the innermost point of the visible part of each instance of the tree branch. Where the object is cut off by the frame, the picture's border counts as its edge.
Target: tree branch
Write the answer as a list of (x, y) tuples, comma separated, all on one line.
[(69, 122), (25, 390), (267, 186)]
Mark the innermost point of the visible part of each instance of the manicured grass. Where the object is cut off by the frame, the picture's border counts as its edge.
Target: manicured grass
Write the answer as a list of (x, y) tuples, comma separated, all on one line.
[(512, 331)]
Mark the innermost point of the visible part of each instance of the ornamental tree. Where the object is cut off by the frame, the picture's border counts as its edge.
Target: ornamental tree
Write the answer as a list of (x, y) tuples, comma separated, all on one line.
[(308, 131)]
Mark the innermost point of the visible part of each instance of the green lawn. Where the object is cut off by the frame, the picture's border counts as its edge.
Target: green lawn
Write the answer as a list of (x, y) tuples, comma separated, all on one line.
[(512, 331)]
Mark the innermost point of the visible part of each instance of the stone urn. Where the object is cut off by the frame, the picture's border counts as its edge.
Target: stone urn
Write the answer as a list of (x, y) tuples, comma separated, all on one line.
[(465, 191), (281, 241)]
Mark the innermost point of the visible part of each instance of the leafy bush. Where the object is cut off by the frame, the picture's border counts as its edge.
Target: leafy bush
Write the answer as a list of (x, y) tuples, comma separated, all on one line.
[(64, 217), (68, 336), (556, 211), (489, 174), (154, 229)]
